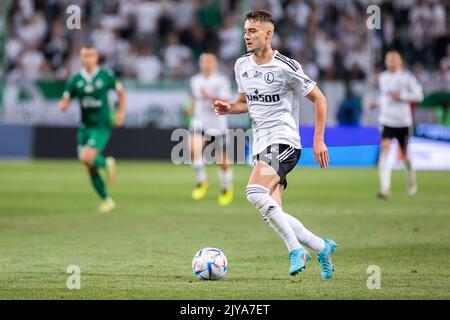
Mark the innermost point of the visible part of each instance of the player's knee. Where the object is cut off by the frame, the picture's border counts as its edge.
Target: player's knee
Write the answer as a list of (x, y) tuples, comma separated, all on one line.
[(256, 194), (385, 145), (404, 155), (87, 159), (259, 196), (224, 165)]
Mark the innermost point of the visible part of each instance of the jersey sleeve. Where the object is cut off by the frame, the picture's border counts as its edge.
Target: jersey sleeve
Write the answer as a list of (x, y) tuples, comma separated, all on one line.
[(413, 92), (114, 81), (237, 77), (70, 89), (297, 78)]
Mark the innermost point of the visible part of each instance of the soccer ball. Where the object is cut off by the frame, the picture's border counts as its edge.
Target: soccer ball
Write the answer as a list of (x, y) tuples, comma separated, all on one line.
[(209, 264)]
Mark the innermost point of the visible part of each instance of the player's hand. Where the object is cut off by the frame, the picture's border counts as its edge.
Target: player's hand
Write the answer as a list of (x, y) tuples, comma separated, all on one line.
[(321, 153), (63, 104), (221, 107), (396, 96), (120, 119), (188, 111)]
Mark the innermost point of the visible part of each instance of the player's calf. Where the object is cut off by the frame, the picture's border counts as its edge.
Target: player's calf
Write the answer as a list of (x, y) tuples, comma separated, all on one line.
[(272, 213)]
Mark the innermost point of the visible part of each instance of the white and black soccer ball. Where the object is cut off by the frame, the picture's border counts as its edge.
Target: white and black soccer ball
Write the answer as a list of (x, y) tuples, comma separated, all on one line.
[(209, 264)]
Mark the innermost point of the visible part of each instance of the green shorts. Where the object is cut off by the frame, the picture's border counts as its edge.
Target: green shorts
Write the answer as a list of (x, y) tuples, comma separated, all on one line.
[(93, 137)]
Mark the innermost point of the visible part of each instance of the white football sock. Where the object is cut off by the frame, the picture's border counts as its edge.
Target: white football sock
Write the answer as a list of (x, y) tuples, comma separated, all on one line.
[(272, 213), (305, 236), (411, 173), (226, 177), (199, 168), (384, 172)]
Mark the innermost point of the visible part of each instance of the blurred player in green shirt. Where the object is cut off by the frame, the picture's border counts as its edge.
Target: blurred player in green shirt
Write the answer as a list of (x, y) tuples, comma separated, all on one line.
[(91, 86)]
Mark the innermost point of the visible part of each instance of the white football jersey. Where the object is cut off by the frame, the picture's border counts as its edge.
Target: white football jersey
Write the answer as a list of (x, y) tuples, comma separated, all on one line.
[(393, 113), (273, 97), (204, 119)]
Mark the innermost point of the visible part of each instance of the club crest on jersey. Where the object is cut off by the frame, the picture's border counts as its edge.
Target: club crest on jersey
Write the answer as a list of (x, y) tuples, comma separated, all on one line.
[(257, 74), (269, 77)]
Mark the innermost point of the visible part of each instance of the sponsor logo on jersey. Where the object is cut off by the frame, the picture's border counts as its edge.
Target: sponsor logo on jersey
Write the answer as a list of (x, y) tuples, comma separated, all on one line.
[(269, 77), (90, 102), (257, 97), (257, 74)]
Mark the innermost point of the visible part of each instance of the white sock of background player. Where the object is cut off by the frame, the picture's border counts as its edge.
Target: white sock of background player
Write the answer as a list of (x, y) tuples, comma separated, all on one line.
[(200, 171), (411, 174), (226, 177), (384, 172)]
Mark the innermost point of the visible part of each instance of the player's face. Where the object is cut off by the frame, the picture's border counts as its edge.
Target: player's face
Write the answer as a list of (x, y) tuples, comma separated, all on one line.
[(89, 57), (256, 34), (207, 63), (393, 61)]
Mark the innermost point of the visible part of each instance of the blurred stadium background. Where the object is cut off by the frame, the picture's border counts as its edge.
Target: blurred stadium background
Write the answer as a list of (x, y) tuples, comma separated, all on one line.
[(47, 209), (154, 47)]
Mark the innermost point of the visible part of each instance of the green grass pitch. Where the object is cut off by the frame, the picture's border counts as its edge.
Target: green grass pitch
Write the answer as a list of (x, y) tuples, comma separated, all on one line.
[(48, 221)]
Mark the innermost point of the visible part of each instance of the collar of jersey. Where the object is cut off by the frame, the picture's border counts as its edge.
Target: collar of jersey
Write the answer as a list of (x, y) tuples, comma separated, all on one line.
[(253, 62), (210, 76), (87, 76)]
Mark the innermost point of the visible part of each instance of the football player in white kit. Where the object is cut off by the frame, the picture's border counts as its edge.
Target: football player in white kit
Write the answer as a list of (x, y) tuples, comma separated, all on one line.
[(398, 89), (206, 127), (269, 86)]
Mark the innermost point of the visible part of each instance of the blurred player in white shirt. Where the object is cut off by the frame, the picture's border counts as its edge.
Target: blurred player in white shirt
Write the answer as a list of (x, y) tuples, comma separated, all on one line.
[(206, 127), (270, 86), (398, 89)]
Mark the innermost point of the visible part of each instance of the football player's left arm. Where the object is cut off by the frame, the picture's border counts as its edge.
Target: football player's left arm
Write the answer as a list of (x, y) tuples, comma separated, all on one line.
[(320, 110), (120, 116), (414, 92)]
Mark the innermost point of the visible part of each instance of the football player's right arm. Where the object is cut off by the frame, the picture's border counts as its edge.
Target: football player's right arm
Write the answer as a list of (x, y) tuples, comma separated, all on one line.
[(190, 110), (374, 103), (64, 103), (239, 106), (69, 92)]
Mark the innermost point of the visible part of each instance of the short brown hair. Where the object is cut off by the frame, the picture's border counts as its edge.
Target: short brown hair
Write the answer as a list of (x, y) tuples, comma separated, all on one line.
[(261, 16)]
